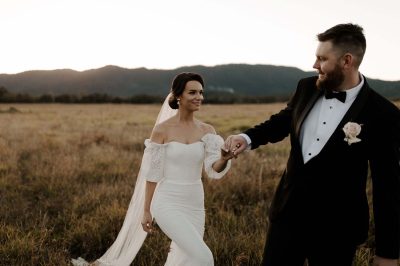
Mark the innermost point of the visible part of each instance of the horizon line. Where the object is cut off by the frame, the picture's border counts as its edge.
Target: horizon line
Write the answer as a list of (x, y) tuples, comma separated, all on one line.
[(183, 66), (152, 68)]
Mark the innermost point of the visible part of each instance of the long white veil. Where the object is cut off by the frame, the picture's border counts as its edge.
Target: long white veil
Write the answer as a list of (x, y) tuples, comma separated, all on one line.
[(131, 236)]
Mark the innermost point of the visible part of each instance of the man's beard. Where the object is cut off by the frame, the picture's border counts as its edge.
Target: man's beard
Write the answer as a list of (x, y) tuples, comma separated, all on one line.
[(332, 80)]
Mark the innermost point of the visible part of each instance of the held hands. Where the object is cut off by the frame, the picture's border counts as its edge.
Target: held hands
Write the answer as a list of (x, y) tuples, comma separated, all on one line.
[(147, 222), (235, 144), (225, 154)]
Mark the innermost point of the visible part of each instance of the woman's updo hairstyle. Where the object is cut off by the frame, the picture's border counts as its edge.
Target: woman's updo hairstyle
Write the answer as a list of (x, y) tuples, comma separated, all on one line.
[(178, 86)]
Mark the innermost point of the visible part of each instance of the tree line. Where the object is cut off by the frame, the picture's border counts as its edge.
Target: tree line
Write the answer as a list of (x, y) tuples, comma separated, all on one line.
[(211, 97)]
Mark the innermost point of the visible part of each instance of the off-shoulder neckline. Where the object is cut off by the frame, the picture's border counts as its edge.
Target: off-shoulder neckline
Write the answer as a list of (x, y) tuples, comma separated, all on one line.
[(174, 141)]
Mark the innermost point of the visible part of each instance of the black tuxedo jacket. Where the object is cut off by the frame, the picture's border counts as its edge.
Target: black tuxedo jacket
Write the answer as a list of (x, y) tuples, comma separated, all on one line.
[(328, 194)]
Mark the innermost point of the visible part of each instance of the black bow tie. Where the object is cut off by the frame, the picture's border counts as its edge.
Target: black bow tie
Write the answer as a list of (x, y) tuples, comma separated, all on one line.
[(340, 95)]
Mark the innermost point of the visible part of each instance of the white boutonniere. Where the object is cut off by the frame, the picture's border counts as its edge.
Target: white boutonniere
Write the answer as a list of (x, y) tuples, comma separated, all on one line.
[(351, 131)]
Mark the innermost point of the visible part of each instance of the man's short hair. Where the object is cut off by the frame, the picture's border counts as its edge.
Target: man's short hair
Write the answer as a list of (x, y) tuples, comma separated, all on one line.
[(349, 38)]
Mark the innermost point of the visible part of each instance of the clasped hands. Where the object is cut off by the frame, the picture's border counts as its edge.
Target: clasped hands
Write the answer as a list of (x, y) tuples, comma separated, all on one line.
[(233, 146)]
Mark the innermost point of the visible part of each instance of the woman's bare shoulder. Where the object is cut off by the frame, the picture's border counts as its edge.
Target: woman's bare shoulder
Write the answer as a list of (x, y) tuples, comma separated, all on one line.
[(158, 134), (206, 128), (160, 131)]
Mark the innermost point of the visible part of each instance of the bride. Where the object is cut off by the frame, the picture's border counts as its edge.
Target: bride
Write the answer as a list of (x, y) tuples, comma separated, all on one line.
[(169, 187)]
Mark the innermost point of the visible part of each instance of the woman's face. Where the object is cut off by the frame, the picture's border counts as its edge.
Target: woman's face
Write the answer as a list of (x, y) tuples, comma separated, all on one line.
[(192, 96)]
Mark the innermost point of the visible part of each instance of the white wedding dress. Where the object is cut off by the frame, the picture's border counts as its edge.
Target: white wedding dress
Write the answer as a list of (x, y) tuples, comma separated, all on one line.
[(177, 204)]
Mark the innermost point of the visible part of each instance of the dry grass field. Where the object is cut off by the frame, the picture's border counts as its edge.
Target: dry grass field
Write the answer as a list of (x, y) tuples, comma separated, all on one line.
[(67, 173)]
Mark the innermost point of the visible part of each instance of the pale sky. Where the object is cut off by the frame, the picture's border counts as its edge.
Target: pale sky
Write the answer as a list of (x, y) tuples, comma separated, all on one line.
[(165, 34)]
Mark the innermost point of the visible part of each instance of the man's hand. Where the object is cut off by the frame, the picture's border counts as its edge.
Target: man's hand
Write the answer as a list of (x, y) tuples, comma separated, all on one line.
[(379, 261), (236, 144)]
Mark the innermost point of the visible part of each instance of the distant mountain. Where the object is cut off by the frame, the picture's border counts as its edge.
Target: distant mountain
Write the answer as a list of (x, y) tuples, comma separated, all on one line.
[(240, 79)]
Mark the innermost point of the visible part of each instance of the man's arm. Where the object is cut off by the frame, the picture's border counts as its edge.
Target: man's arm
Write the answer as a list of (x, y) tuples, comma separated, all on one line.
[(385, 173)]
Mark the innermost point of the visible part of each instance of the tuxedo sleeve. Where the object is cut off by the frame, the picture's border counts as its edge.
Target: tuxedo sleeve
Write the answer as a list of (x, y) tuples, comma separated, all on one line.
[(385, 173), (277, 127)]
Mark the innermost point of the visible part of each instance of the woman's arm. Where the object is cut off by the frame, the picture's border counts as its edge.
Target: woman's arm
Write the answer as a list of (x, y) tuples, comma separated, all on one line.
[(147, 217), (222, 162), (157, 136)]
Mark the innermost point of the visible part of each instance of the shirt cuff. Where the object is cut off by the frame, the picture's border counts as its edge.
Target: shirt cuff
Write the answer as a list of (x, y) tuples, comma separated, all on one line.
[(248, 140)]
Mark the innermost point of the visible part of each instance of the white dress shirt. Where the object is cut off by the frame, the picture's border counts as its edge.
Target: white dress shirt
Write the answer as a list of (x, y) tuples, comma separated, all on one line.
[(321, 122)]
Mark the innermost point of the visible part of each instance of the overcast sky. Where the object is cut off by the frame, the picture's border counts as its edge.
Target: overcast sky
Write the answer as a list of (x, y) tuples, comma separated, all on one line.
[(86, 34)]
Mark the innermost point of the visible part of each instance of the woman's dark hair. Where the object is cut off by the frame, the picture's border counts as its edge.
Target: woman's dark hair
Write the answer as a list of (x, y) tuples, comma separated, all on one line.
[(178, 86)]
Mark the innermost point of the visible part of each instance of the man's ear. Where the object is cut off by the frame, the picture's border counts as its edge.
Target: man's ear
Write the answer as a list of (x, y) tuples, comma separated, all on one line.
[(347, 60)]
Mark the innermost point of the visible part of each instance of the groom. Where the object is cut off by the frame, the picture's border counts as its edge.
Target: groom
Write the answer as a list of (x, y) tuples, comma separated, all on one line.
[(339, 130)]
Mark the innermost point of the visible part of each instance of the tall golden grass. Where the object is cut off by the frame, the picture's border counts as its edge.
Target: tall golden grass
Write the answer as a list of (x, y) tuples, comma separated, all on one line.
[(67, 173)]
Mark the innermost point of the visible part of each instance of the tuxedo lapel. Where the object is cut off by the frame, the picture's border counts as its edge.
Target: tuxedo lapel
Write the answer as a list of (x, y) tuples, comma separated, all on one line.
[(351, 114), (314, 97), (356, 107)]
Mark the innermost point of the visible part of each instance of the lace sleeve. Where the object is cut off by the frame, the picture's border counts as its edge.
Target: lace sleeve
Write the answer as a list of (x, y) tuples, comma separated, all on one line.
[(213, 144), (154, 154)]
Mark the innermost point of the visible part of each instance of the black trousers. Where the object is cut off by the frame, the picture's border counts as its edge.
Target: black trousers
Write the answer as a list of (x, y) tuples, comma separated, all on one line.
[(290, 245)]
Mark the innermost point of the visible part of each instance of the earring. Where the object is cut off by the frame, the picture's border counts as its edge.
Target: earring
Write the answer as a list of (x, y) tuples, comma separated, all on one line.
[(179, 101)]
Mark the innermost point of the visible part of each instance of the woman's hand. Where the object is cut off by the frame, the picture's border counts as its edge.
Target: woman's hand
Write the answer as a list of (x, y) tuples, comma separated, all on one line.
[(236, 144), (226, 155), (147, 222)]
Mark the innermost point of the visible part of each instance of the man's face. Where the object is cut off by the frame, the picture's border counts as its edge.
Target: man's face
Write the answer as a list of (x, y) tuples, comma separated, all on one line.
[(327, 64)]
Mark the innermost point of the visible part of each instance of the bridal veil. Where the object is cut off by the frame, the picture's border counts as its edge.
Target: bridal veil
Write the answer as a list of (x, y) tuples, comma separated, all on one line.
[(131, 236)]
